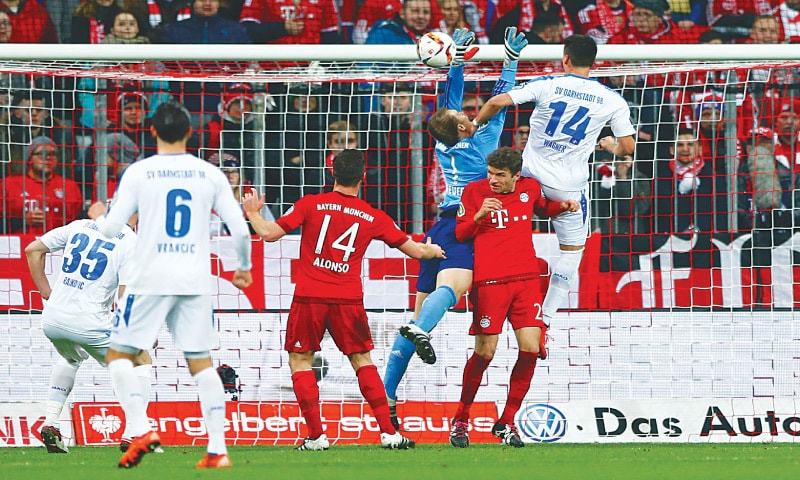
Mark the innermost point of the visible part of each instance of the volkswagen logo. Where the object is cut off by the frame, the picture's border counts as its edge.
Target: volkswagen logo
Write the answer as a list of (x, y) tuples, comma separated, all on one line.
[(541, 422)]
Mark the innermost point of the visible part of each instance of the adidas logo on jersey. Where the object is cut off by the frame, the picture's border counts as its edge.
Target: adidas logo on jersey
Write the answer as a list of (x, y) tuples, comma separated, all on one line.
[(297, 344)]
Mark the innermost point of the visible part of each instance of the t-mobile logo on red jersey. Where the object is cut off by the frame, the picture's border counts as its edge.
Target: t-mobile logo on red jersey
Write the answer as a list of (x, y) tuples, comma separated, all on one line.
[(500, 218)]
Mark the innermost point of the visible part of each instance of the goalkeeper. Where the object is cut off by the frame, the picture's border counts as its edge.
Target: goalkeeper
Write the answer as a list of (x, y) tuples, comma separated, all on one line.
[(461, 149)]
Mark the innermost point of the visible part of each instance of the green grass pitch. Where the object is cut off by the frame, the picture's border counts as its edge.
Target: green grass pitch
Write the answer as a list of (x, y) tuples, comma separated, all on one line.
[(549, 462)]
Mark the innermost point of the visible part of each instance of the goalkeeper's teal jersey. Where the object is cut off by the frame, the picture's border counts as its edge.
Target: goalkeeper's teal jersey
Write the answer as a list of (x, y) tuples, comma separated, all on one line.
[(465, 161)]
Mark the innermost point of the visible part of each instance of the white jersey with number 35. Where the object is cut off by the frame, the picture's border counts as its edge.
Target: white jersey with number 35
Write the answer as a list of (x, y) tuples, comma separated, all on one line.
[(570, 113), (91, 268), (174, 196)]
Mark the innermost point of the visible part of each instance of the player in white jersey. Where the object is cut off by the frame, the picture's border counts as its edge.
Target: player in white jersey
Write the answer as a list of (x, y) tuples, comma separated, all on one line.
[(77, 315), (571, 110), (174, 193)]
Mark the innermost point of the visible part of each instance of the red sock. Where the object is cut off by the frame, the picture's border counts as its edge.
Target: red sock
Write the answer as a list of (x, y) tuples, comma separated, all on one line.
[(307, 393), (473, 374), (375, 394), (521, 377)]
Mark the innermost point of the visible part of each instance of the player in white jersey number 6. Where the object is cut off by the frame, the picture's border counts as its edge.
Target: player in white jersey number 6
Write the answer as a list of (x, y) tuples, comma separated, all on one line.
[(571, 110), (77, 315), (174, 193)]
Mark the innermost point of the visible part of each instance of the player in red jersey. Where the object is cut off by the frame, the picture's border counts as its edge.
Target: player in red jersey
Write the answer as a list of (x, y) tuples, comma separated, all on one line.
[(337, 229), (497, 215)]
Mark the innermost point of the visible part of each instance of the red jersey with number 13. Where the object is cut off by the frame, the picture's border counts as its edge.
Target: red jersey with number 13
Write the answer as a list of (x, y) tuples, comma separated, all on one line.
[(337, 229)]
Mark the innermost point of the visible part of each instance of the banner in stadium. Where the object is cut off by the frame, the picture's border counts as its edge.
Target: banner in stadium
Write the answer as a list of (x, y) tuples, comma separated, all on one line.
[(270, 423), (20, 424), (673, 271), (684, 421)]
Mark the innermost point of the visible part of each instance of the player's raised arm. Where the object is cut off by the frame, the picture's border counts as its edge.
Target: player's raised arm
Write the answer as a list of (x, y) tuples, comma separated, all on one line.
[(454, 87), (515, 42), (227, 208), (422, 251), (267, 230), (123, 206)]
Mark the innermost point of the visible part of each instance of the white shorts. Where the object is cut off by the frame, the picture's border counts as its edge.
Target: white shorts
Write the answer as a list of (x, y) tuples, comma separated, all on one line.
[(572, 228), (189, 318), (77, 347)]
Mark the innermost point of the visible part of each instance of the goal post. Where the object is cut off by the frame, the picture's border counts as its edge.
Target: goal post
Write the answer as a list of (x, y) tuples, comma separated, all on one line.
[(686, 307)]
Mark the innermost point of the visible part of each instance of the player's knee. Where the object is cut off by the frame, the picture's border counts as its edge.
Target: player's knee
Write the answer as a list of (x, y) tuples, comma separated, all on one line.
[(358, 360), (300, 361), (566, 267)]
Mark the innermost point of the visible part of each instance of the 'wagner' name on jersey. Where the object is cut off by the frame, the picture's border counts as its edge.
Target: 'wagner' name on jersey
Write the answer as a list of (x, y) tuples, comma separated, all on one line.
[(570, 113)]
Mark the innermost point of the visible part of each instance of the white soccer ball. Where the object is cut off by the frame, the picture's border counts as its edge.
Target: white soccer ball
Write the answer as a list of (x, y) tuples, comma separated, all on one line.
[(436, 49)]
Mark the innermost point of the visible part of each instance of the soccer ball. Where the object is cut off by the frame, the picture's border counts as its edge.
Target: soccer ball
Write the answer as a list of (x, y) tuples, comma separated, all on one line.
[(436, 49)]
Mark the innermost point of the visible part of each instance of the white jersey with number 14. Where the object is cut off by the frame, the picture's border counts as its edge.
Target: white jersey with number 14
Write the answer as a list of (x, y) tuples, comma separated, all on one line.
[(570, 113)]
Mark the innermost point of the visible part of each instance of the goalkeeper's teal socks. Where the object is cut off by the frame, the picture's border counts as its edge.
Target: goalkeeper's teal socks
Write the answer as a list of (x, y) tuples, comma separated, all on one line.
[(435, 306), (402, 351), (432, 311)]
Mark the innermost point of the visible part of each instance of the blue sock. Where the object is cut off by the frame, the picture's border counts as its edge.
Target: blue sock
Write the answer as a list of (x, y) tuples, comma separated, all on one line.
[(402, 351), (434, 307)]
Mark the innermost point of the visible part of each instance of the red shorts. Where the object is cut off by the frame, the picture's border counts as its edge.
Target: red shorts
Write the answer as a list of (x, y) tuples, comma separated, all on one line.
[(347, 322), (520, 301)]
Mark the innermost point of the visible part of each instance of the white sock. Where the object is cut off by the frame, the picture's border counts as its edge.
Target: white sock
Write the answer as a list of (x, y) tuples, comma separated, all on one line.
[(564, 272), (212, 402), (62, 379), (143, 374), (127, 387)]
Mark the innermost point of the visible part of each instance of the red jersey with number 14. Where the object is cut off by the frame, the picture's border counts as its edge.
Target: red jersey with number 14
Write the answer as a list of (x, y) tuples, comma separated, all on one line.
[(337, 229), (502, 239)]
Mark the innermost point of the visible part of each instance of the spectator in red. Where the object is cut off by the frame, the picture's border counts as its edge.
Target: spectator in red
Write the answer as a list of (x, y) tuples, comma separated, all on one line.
[(125, 29), (649, 25), (499, 14), (789, 13), (5, 28), (413, 20), (231, 128), (291, 21), (39, 199), (766, 29), (93, 20), (205, 26), (603, 19), (30, 22), (735, 17)]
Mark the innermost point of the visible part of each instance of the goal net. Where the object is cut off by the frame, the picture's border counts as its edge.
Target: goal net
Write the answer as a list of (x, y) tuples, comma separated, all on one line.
[(682, 326)]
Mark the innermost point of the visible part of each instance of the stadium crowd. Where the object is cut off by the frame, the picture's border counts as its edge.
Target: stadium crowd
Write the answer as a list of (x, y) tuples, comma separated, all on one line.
[(693, 170)]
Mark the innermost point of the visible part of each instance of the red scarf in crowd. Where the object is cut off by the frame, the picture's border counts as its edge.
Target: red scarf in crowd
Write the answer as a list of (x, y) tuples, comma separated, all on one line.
[(680, 169)]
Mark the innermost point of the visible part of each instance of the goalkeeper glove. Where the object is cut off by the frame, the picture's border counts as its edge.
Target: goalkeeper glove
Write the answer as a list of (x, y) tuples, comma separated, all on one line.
[(515, 42), (463, 38)]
